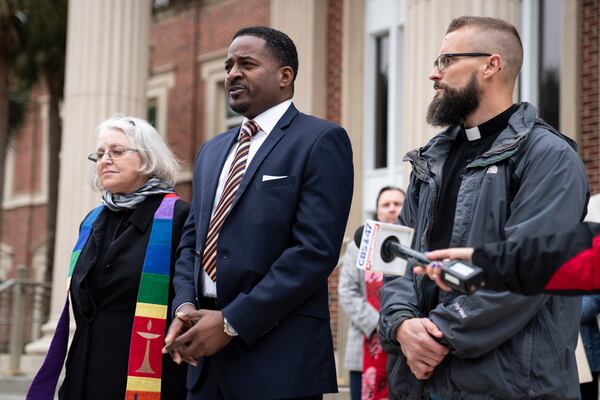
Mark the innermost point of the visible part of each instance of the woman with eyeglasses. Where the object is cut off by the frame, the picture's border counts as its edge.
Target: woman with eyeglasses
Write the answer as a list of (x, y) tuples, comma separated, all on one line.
[(121, 275)]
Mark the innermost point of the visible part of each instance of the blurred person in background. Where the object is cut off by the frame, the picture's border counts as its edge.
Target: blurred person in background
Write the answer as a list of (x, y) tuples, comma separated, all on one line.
[(359, 298), (121, 275)]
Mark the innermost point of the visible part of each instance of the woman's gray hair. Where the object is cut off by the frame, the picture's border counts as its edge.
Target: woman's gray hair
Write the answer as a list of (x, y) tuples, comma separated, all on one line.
[(158, 160)]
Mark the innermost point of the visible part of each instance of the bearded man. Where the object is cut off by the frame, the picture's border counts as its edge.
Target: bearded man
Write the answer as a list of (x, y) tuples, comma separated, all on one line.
[(496, 173)]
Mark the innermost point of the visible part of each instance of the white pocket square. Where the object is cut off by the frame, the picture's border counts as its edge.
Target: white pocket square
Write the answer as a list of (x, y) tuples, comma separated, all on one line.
[(272, 177)]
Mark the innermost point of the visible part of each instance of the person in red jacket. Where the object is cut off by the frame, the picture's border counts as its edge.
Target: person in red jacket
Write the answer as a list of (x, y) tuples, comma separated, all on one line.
[(565, 263)]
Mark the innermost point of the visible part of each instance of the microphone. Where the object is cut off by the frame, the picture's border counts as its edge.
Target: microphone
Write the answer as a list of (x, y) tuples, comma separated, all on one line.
[(387, 238), (378, 245)]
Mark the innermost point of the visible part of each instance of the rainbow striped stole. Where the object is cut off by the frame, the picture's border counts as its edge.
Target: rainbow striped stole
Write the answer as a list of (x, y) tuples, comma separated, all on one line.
[(84, 235), (43, 385), (149, 324)]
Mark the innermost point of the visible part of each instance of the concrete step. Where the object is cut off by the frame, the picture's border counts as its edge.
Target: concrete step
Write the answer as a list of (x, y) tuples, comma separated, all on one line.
[(14, 387), (30, 364), (344, 394)]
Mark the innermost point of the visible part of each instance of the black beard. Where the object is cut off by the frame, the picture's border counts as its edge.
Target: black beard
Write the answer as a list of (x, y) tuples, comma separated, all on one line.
[(454, 105)]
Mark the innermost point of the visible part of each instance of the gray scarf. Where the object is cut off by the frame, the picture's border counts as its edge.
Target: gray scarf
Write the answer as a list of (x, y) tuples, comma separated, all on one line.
[(118, 202)]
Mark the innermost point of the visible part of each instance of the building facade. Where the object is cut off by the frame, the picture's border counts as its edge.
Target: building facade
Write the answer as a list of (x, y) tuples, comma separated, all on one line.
[(363, 64)]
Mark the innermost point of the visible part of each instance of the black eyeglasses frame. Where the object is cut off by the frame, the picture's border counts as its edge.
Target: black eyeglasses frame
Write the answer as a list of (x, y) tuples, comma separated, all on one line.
[(436, 63)]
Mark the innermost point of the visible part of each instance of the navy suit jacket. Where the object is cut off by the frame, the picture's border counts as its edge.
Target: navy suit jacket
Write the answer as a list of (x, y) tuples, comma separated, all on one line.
[(275, 251)]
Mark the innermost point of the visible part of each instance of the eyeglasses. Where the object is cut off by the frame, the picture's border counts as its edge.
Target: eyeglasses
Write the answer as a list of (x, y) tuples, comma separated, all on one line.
[(443, 60), (114, 153)]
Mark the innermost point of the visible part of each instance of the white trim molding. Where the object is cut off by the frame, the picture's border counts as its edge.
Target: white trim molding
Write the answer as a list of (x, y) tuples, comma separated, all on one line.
[(184, 176), (158, 87), (383, 17), (213, 75)]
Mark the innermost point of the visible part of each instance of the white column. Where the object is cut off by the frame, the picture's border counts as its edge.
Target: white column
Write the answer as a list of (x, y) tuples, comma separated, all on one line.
[(352, 93), (106, 73), (570, 70)]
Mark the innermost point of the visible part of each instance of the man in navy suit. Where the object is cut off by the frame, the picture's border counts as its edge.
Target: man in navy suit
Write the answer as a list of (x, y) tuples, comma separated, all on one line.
[(251, 277)]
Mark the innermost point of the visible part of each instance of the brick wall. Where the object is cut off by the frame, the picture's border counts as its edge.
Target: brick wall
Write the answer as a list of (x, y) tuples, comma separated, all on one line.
[(218, 23), (590, 111), (27, 154), (178, 39), (334, 94), (334, 60), (172, 49), (25, 227)]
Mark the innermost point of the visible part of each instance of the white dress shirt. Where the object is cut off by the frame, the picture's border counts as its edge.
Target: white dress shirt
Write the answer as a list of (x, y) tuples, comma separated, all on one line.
[(266, 121)]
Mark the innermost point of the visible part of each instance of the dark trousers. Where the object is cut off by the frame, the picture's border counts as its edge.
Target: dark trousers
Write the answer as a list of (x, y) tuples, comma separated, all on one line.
[(355, 385), (589, 390), (209, 389)]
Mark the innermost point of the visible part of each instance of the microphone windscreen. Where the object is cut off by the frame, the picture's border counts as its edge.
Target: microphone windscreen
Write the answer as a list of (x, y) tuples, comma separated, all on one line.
[(358, 235)]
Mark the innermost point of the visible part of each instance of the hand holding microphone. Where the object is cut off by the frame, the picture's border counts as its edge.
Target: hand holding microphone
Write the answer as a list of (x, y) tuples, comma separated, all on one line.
[(437, 258), (380, 248)]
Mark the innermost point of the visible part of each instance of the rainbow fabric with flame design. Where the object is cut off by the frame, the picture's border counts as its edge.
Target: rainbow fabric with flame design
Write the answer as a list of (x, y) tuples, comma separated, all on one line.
[(149, 325)]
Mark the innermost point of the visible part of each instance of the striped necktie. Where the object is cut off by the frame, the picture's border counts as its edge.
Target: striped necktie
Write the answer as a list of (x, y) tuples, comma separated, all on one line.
[(234, 178)]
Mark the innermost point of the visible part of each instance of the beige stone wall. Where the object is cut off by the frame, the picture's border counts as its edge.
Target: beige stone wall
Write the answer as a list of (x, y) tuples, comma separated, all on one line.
[(570, 80), (352, 95), (305, 22)]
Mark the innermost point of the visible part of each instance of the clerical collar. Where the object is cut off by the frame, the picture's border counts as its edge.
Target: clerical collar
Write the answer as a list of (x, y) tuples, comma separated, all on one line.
[(491, 126), (472, 133)]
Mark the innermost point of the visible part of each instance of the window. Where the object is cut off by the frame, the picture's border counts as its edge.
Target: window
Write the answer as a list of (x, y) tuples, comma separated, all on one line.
[(231, 118), (151, 111), (382, 67), (157, 93), (217, 114), (542, 34), (550, 44), (383, 98)]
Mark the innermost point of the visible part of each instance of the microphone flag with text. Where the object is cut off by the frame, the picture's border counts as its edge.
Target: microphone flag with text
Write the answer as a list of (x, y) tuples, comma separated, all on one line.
[(386, 248), (375, 249)]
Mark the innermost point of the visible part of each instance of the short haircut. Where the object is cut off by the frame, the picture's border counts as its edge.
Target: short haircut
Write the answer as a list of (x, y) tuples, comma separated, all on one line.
[(497, 36), (158, 160), (385, 189), (281, 47)]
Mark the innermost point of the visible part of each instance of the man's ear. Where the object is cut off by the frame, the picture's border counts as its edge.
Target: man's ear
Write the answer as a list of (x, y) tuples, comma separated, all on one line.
[(493, 66), (286, 76)]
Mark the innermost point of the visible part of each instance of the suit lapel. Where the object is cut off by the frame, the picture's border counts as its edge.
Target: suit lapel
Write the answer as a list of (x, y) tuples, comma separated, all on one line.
[(272, 139), (215, 160)]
